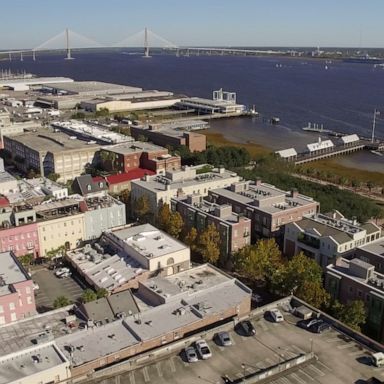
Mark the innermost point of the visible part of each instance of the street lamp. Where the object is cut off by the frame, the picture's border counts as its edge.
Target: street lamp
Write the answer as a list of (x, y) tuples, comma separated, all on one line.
[(243, 367)]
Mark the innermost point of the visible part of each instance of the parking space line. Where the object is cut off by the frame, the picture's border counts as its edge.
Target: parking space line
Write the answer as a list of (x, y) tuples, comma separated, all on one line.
[(355, 353), (317, 370), (159, 371), (297, 378), (306, 374), (172, 364), (263, 326), (146, 375), (132, 377), (297, 349), (324, 365), (333, 339), (350, 345)]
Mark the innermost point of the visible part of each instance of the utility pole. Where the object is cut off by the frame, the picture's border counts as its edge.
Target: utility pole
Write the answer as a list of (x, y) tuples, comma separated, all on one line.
[(69, 57), (375, 113), (146, 44)]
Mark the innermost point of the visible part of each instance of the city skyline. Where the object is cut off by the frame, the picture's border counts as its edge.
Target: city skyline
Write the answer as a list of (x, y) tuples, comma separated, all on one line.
[(218, 23)]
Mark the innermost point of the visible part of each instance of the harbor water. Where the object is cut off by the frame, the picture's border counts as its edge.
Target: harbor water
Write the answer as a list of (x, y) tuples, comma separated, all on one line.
[(341, 96)]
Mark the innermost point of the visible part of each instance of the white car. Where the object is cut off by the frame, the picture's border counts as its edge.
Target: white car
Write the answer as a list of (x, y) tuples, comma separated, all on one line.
[(276, 315), (190, 354), (203, 349), (62, 271)]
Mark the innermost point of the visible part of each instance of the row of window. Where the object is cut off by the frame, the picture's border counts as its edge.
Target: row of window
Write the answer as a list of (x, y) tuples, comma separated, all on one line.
[(16, 237), (12, 305)]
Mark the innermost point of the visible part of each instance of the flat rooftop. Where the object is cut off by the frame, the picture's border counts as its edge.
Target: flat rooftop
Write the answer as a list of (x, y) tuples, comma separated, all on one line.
[(182, 179), (45, 140), (34, 81), (5, 177), (93, 87), (341, 359), (149, 241), (189, 282), (376, 247), (91, 131), (11, 273), (133, 147), (30, 362)]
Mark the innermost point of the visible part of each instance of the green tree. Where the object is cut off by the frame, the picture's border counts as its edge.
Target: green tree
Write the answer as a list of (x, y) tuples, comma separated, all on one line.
[(102, 112), (190, 238), (101, 292), (53, 176), (370, 185), (61, 301), (301, 276), (170, 222), (26, 260), (209, 244), (352, 314), (257, 261), (78, 115), (141, 209), (88, 296)]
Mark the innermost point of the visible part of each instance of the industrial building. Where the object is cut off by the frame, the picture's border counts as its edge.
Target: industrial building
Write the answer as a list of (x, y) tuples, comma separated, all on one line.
[(49, 152), (27, 82)]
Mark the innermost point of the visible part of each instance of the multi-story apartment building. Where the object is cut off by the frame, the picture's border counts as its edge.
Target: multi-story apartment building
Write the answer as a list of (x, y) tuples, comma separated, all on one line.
[(269, 208), (17, 299), (122, 158), (235, 230), (162, 188), (355, 279), (327, 237), (49, 152)]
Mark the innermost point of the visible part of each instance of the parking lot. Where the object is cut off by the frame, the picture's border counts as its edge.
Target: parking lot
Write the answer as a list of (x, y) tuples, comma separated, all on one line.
[(340, 360), (50, 287)]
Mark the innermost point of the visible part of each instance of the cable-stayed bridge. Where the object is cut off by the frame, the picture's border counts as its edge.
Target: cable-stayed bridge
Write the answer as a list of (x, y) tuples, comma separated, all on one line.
[(69, 40)]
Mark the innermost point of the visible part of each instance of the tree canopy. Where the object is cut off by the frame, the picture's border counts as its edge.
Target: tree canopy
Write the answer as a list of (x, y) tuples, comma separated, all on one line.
[(209, 244), (170, 222)]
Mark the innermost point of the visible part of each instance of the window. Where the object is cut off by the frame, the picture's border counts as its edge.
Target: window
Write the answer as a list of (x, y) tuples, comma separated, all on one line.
[(28, 290), (89, 187), (1, 309), (13, 316), (12, 306), (29, 300)]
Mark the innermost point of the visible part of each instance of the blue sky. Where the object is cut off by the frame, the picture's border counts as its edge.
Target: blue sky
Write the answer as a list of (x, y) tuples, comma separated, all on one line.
[(27, 23)]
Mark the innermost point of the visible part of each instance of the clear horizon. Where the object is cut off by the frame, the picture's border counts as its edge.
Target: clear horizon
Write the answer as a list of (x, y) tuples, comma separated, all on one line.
[(276, 23)]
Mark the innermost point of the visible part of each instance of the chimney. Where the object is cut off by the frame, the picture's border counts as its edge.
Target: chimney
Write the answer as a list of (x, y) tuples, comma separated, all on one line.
[(258, 182), (294, 193)]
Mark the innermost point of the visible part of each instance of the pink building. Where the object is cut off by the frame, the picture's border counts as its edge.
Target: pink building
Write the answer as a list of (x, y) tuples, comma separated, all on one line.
[(21, 240), (17, 300)]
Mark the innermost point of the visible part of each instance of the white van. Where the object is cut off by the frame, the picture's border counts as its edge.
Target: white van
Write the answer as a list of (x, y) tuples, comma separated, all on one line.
[(378, 359)]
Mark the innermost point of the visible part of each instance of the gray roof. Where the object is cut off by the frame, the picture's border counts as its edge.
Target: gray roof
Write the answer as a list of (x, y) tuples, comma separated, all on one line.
[(30, 362), (98, 310), (376, 247), (11, 272), (123, 302), (95, 186), (97, 87), (133, 147)]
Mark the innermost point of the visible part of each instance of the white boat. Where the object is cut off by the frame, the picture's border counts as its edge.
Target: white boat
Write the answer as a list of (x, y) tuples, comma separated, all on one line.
[(377, 153)]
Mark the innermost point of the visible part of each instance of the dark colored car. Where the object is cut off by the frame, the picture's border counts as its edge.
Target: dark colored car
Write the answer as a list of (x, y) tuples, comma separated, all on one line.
[(246, 328), (307, 324), (319, 327)]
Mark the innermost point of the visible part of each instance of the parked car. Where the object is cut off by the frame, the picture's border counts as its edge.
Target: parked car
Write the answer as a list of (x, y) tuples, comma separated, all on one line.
[(276, 315), (203, 349), (246, 328), (319, 327), (306, 324), (223, 339), (62, 271), (191, 355), (65, 274)]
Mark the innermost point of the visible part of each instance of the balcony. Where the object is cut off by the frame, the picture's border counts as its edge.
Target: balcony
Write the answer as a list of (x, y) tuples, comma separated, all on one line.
[(309, 241)]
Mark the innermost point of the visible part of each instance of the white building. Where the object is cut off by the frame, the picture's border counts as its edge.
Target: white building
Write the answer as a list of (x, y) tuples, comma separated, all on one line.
[(162, 188), (44, 363)]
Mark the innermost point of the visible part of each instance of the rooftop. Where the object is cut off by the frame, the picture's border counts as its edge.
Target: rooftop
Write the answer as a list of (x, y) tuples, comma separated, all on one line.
[(104, 267), (11, 272), (92, 87), (131, 175), (31, 361), (264, 197), (376, 247), (45, 140), (91, 131), (133, 147), (148, 241), (341, 229), (186, 177)]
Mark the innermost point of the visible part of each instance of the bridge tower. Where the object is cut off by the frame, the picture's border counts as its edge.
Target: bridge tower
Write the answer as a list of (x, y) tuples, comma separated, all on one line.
[(146, 44), (69, 57), (33, 55), (21, 56), (10, 56)]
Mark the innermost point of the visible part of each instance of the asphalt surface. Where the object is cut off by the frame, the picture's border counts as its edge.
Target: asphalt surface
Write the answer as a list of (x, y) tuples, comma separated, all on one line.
[(340, 360), (50, 287)]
